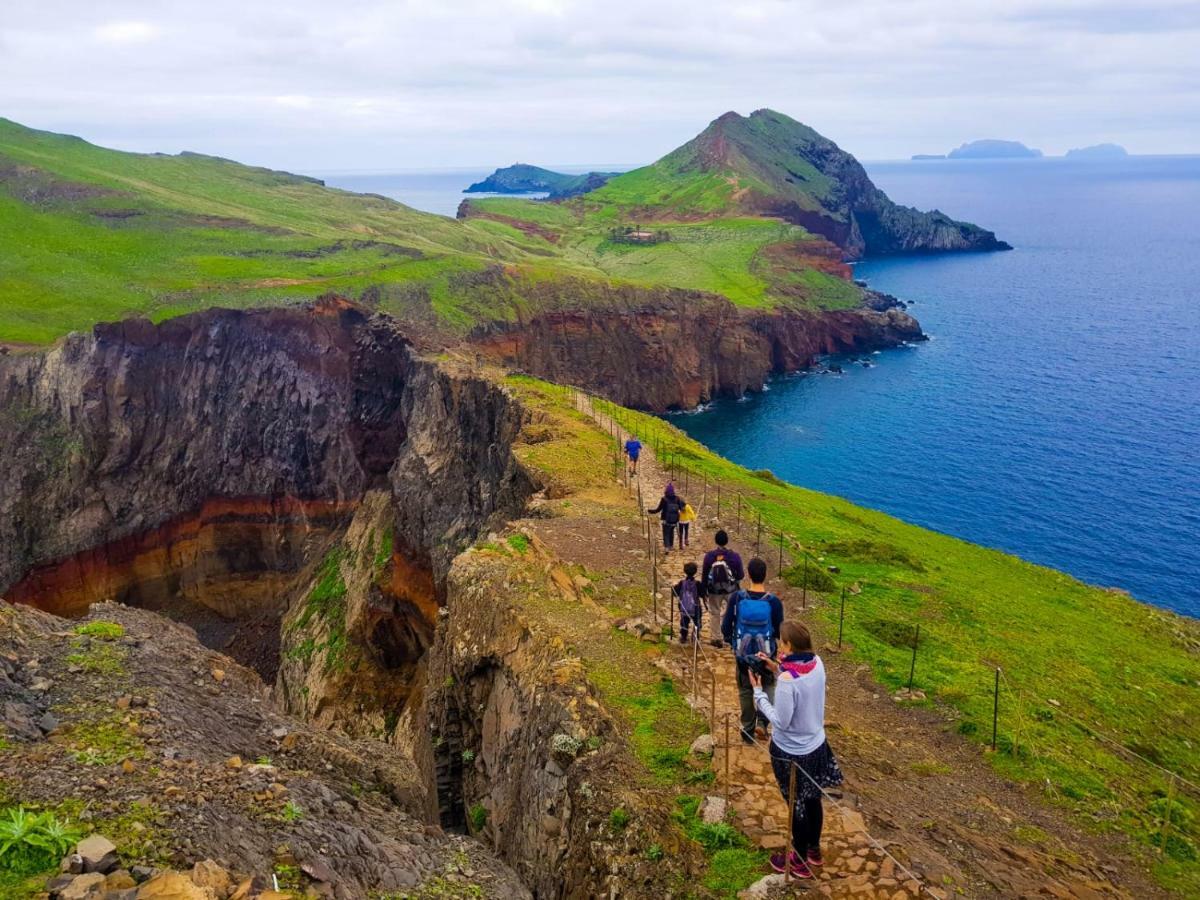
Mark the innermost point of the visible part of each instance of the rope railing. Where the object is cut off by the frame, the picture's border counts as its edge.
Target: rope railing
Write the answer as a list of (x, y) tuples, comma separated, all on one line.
[(656, 440)]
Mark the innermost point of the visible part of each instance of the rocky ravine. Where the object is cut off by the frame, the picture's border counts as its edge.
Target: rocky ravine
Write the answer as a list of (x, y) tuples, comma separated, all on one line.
[(296, 484)]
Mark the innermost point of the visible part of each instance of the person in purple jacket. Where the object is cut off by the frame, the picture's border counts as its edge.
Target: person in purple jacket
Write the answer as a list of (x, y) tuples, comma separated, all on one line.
[(720, 577)]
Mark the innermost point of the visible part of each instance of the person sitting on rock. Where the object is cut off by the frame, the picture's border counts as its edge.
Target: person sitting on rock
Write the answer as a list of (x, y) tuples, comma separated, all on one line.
[(797, 717)]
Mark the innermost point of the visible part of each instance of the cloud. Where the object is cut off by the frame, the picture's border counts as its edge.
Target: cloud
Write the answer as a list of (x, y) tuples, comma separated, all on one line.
[(411, 83), (126, 33)]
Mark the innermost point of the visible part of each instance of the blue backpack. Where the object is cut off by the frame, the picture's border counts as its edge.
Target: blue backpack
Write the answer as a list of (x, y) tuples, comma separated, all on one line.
[(752, 631)]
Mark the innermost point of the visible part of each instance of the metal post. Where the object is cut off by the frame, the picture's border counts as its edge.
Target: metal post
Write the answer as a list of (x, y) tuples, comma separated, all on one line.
[(791, 815), (712, 696), (912, 669), (1166, 826), (804, 590), (780, 569), (758, 536), (996, 709), (728, 747), (704, 494), (739, 511), (695, 655), (671, 619), (718, 501), (842, 618)]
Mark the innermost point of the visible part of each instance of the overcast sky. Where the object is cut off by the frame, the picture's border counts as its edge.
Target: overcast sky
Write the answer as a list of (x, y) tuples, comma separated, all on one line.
[(314, 85)]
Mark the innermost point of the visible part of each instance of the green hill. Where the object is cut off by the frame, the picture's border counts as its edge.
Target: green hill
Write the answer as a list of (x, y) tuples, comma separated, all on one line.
[(767, 164), (526, 179)]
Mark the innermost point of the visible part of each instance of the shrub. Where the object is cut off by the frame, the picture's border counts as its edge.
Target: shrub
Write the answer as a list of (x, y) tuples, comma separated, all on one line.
[(618, 820), (717, 836), (518, 542), (816, 578), (566, 744), (293, 812), (33, 842), (105, 631), (477, 818), (654, 852)]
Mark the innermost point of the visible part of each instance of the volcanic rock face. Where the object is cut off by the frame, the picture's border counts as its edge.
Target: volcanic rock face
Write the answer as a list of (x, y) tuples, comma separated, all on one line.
[(202, 463), (678, 349)]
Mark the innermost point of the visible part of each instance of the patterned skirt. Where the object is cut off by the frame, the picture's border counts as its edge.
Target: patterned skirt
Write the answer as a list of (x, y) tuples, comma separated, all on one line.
[(821, 767)]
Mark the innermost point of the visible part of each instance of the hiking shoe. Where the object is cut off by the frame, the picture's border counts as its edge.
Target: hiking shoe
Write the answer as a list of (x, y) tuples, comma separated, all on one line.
[(717, 643), (814, 857), (799, 869), (747, 738)]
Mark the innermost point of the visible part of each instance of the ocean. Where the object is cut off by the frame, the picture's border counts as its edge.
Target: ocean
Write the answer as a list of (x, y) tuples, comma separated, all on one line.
[(1055, 412)]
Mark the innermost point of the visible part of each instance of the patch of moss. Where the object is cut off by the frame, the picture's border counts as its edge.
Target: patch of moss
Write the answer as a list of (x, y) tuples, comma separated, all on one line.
[(477, 817), (98, 657), (519, 542), (105, 631), (325, 604)]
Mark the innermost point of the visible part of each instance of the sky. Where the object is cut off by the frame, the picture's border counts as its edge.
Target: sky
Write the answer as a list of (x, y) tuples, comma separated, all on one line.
[(375, 85)]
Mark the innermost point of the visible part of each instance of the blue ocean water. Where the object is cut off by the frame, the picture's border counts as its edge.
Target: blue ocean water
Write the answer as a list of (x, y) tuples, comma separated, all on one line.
[(1055, 413)]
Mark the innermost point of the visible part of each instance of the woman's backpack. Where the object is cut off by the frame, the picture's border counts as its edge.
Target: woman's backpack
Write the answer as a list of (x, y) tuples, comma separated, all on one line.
[(752, 631), (671, 508)]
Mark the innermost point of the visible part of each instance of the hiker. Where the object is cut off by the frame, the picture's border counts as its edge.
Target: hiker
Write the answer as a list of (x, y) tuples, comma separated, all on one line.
[(691, 611), (633, 448), (720, 577), (669, 507), (687, 516), (797, 717), (751, 626)]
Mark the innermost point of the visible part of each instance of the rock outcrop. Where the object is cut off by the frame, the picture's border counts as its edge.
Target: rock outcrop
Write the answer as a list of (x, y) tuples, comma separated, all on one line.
[(675, 349), (198, 466)]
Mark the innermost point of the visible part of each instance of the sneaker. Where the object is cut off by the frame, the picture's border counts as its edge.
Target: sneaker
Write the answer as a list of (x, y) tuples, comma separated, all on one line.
[(717, 643), (799, 869), (814, 857), (747, 738)]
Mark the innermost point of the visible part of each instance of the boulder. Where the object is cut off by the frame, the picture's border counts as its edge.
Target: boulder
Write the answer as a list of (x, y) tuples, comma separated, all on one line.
[(98, 853), (173, 886), (768, 886), (81, 887), (207, 874), (703, 745), (119, 880), (713, 810)]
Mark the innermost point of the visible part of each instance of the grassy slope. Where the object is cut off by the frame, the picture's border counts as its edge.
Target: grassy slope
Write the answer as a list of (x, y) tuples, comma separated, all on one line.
[(1129, 671), (720, 255), (89, 234)]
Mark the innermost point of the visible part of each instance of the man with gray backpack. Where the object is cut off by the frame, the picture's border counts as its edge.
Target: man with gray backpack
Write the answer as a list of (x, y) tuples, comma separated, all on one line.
[(721, 576), (751, 626)]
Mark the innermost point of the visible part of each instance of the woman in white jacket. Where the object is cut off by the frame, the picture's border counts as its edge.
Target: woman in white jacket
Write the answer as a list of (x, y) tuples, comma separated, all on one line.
[(797, 718)]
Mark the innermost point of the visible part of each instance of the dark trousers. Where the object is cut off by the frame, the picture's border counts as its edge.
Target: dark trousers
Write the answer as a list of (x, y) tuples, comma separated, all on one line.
[(808, 818), (685, 620), (668, 534), (746, 697), (684, 528)]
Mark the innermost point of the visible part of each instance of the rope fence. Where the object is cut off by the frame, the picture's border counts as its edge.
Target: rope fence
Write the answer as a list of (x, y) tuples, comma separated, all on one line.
[(716, 499)]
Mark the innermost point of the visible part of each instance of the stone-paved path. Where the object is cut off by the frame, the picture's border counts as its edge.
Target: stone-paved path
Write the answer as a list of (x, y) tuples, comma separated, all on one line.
[(853, 867), (955, 833)]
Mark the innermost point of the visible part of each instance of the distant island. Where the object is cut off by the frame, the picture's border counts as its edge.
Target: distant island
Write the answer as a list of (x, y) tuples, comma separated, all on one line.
[(929, 156), (1098, 151), (994, 149), (526, 179)]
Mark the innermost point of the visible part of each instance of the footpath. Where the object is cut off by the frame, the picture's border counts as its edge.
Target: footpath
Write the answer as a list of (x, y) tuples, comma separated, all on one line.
[(920, 815)]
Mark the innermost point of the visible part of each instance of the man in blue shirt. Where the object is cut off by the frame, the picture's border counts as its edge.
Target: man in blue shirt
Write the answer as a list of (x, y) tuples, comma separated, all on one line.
[(633, 447)]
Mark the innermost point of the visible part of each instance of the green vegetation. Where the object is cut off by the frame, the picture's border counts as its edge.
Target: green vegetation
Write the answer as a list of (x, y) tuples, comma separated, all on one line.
[(105, 631), (32, 842), (326, 605), (618, 820), (477, 816), (292, 811), (733, 864), (1090, 677), (89, 234), (519, 542)]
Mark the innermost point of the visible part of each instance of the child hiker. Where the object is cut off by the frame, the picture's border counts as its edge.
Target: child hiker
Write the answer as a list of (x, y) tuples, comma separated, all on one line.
[(797, 718), (687, 516), (687, 590)]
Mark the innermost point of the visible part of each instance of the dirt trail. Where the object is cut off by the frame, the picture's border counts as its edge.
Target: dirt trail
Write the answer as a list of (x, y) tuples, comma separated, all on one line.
[(941, 822)]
